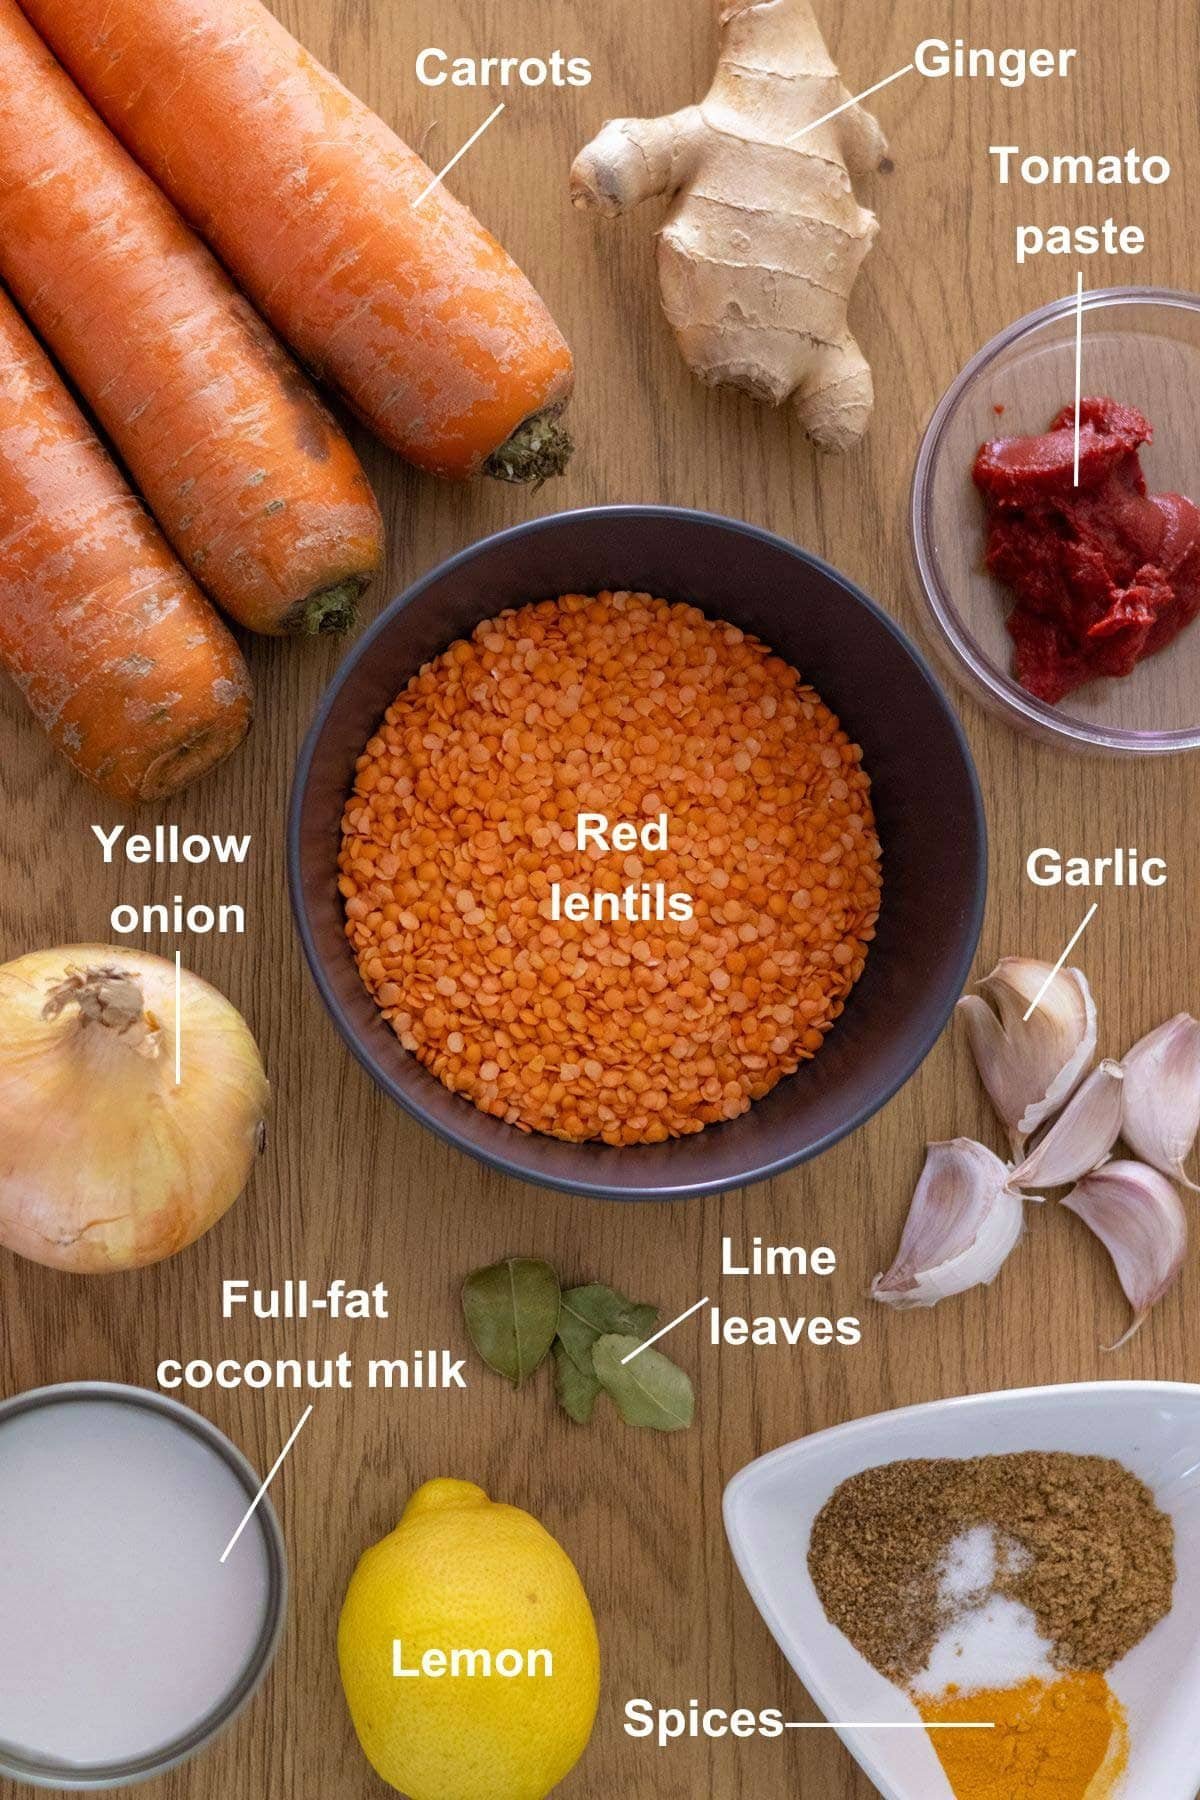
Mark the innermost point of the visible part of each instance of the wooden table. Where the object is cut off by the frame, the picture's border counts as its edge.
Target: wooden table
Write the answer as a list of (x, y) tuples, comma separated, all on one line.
[(352, 1187)]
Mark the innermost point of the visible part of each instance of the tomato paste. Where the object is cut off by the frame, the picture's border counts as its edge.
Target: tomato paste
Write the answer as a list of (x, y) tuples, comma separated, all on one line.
[(1104, 573)]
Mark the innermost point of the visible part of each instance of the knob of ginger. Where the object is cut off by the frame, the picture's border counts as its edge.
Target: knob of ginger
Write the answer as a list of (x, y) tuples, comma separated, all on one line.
[(764, 236)]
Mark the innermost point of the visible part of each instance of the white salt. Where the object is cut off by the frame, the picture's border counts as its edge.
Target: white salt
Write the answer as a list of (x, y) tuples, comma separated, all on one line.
[(120, 1630), (970, 1566), (996, 1644), (989, 1640)]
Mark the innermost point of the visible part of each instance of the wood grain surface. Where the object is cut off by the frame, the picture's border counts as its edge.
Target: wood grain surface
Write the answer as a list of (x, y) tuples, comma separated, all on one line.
[(352, 1187)]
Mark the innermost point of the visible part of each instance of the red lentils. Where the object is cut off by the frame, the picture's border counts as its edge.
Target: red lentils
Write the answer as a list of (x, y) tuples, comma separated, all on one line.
[(463, 818)]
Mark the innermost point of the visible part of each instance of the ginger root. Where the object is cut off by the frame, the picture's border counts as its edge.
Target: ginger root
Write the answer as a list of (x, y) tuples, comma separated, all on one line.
[(764, 237)]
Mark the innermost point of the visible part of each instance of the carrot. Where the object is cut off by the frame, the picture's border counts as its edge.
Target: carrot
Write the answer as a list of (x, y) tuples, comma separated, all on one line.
[(413, 312), (123, 662), (258, 491)]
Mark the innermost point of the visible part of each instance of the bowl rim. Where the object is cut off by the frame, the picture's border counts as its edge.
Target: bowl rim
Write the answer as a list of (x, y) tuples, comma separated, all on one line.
[(997, 688), (73, 1778), (991, 1398), (593, 1186)]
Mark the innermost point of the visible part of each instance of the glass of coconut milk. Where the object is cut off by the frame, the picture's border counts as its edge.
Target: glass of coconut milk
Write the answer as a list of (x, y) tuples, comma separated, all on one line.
[(126, 1644)]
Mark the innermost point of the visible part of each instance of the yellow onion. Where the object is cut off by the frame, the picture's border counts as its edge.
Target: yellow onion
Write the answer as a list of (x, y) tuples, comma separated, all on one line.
[(106, 1161)]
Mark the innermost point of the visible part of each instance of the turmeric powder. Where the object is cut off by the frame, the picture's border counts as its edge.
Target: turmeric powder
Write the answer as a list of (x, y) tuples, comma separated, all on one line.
[(1062, 1740), (472, 903)]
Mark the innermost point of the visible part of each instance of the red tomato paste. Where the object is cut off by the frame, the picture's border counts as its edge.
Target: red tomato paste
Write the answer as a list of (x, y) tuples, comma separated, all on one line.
[(1104, 573)]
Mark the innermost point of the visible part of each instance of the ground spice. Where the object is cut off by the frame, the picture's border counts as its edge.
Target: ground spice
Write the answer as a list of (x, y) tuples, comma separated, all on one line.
[(1062, 1740), (463, 818), (1095, 1562)]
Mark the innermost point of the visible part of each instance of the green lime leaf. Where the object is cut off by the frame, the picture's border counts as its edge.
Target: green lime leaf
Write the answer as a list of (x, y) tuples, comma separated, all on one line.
[(649, 1391), (593, 1312), (512, 1312), (577, 1391)]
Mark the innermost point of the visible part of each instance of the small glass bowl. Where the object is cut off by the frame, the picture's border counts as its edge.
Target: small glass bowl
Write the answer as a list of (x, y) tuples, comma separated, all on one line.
[(1141, 346)]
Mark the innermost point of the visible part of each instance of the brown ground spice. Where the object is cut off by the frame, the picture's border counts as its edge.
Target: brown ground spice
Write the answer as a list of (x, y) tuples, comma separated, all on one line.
[(1098, 1573), (464, 814)]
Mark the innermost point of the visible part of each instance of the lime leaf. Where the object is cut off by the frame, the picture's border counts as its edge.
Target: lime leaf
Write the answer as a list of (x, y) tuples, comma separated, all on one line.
[(648, 1391), (512, 1311), (578, 1392), (593, 1312)]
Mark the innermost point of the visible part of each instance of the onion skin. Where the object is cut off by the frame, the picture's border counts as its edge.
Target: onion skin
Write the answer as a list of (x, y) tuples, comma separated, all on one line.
[(105, 1163)]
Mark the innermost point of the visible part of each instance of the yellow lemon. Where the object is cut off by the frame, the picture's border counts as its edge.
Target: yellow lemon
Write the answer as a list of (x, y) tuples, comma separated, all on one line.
[(468, 1652)]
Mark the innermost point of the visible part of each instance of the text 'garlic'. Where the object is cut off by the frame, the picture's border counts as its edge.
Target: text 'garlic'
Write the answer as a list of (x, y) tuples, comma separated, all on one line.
[(1162, 1096), (1030, 1066), (964, 1222), (1081, 1137), (1139, 1218)]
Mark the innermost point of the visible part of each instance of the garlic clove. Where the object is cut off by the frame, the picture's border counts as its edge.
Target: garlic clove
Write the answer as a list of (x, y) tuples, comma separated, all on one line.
[(1030, 1067), (1162, 1096), (964, 1221), (1082, 1136), (1139, 1218)]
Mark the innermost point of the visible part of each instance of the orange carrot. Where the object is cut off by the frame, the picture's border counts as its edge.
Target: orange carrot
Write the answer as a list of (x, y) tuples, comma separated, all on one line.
[(120, 657), (256, 488), (412, 311)]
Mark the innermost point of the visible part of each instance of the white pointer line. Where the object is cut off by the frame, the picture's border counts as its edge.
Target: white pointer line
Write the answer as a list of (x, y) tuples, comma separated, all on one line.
[(1078, 369), (1045, 987), (847, 104), (458, 156), (665, 1329), (890, 1725), (178, 1017), (258, 1498)]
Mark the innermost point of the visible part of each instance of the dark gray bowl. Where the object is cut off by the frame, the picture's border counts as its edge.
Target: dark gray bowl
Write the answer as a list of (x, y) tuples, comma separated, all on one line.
[(926, 797)]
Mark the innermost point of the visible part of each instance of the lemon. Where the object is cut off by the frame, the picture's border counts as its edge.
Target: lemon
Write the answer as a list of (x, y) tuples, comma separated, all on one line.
[(487, 1617)]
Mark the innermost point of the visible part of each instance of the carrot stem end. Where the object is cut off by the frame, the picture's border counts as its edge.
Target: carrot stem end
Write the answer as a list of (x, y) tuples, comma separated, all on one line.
[(537, 450), (329, 609)]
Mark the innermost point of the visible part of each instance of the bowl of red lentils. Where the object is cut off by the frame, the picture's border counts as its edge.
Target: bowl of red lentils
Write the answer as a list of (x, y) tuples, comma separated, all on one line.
[(637, 853)]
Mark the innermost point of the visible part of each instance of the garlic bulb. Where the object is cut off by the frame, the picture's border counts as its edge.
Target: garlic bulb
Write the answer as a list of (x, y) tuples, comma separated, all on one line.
[(964, 1222), (105, 1161), (1082, 1136), (1030, 1066), (1162, 1096), (1139, 1218)]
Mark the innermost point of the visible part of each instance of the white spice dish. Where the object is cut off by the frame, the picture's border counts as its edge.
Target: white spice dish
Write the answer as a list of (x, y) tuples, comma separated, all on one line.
[(1152, 1427)]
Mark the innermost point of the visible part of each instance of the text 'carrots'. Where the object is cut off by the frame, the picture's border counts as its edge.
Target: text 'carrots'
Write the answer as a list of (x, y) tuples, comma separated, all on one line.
[(414, 313), (121, 659), (257, 489)]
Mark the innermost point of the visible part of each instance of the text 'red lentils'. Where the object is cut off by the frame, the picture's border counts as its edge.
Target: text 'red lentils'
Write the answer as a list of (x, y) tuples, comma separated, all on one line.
[(462, 837)]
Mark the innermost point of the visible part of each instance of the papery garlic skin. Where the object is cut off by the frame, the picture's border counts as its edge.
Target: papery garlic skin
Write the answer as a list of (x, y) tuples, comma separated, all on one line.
[(964, 1222), (1162, 1096), (106, 1162), (1139, 1218), (1082, 1136), (1030, 1067)]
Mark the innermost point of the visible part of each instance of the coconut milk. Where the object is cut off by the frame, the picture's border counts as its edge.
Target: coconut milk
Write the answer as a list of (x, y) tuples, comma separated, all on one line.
[(120, 1629)]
